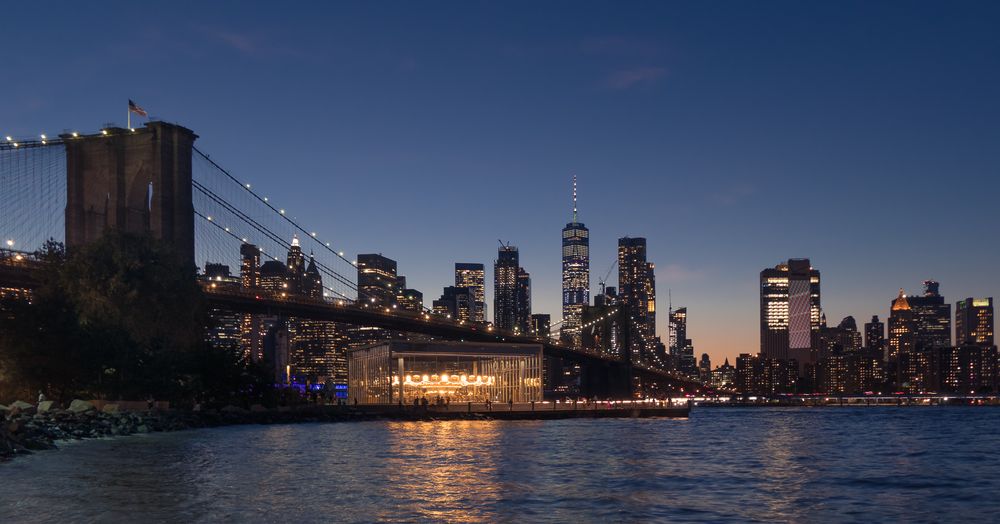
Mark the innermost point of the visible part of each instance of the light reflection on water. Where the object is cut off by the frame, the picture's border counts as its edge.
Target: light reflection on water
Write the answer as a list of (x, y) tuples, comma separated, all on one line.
[(825, 465)]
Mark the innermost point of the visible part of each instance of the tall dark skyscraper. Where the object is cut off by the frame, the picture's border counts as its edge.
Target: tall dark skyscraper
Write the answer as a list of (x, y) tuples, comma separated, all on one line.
[(575, 274), (875, 335), (523, 315), (296, 266), (456, 302), (473, 276), (974, 322), (789, 310), (637, 291), (505, 287), (376, 280), (931, 317), (541, 324)]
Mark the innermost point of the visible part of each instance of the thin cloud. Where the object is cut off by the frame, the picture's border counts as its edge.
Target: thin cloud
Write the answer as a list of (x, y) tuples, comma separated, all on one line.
[(236, 41), (635, 77)]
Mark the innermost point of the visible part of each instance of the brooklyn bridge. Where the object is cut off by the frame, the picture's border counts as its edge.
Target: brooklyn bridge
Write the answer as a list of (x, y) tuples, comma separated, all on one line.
[(262, 286)]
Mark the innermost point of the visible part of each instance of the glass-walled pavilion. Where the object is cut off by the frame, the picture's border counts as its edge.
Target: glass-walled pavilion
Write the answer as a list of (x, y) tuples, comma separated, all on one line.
[(394, 370)]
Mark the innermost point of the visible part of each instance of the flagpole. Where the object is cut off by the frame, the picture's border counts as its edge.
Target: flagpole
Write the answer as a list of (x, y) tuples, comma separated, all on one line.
[(129, 112)]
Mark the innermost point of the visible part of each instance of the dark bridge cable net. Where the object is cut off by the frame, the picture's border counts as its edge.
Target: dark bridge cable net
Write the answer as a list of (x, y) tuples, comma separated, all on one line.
[(255, 199), (228, 232), (263, 200), (260, 229), (32, 195), (230, 203)]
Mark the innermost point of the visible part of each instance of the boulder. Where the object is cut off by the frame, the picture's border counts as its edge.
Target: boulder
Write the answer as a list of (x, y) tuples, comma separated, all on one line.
[(46, 406), (80, 406), (232, 409), (257, 408), (110, 409), (23, 407)]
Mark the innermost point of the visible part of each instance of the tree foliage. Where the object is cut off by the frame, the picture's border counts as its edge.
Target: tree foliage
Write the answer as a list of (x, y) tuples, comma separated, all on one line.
[(120, 318)]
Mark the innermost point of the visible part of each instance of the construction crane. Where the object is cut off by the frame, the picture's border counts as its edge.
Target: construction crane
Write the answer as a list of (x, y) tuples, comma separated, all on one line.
[(602, 282)]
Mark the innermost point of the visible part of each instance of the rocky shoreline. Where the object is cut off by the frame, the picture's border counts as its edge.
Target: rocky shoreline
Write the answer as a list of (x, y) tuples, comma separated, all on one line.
[(25, 428)]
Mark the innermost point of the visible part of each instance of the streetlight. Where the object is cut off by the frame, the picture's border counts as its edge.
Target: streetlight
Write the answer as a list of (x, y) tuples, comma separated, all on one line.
[(10, 243)]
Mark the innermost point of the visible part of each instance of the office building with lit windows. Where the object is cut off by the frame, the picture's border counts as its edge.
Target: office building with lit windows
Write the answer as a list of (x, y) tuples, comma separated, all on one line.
[(790, 311), (575, 275), (473, 277), (974, 322), (637, 292), (931, 318), (457, 303), (505, 289), (376, 280)]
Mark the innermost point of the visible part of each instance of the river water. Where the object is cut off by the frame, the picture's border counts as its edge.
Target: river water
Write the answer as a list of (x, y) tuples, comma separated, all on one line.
[(928, 464)]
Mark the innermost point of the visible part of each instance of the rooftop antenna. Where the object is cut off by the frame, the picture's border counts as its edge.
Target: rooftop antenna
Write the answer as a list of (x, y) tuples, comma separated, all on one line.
[(574, 199)]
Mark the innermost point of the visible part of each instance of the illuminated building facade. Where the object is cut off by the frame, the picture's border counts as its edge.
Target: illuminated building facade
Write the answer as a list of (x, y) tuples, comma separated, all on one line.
[(789, 311), (376, 280), (473, 276), (931, 318), (974, 322), (901, 328), (575, 275), (410, 299), (637, 292), (394, 372), (511, 291), (225, 330), (541, 324), (457, 303), (251, 326)]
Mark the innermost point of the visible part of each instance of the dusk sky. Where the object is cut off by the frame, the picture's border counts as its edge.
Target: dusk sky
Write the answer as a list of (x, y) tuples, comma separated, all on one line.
[(732, 135)]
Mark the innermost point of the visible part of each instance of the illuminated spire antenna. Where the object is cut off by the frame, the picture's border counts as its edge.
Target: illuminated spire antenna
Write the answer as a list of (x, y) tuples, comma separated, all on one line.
[(574, 199)]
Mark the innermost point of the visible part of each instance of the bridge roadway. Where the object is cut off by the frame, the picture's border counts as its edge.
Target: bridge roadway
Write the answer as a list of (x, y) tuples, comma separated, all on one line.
[(249, 301), (17, 270)]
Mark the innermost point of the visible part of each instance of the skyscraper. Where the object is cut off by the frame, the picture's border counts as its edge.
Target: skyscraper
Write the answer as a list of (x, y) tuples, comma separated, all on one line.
[(974, 322), (318, 347), (875, 335), (473, 276), (901, 332), (541, 324), (678, 328), (575, 274), (931, 318), (789, 311), (376, 280), (505, 287), (523, 314), (455, 302), (296, 264), (637, 291)]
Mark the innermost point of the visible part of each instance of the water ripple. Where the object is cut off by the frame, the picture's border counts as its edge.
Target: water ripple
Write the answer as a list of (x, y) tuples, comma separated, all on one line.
[(726, 465)]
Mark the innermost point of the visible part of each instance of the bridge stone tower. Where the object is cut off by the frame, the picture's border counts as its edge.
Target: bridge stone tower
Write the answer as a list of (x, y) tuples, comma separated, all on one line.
[(134, 181)]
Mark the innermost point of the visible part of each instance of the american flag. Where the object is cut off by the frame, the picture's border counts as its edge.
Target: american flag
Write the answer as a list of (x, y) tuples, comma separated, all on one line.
[(135, 108)]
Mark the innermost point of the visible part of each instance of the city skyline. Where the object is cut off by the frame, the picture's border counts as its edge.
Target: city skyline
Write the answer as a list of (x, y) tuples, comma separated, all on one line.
[(707, 153)]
